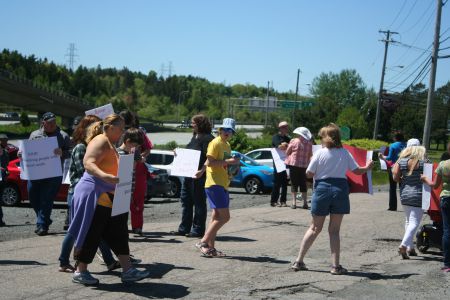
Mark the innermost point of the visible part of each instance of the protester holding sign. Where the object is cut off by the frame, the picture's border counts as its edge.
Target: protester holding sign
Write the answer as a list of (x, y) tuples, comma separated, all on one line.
[(193, 197), (407, 171), (92, 203), (328, 167), (394, 150), (299, 154), (218, 159), (443, 177), (280, 181), (42, 192)]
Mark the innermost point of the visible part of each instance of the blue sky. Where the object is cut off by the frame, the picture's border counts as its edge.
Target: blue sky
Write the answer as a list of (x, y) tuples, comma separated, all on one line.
[(246, 41)]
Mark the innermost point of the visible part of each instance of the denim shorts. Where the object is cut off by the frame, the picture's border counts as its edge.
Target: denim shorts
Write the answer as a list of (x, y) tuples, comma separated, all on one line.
[(330, 197), (218, 196)]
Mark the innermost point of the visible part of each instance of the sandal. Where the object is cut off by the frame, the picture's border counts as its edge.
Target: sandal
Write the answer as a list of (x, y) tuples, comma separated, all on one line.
[(205, 250), (217, 253), (412, 252), (338, 270), (66, 268), (298, 266), (402, 252)]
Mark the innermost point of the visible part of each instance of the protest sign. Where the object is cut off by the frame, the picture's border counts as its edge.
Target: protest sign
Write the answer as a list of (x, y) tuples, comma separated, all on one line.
[(279, 156), (426, 189), (382, 150), (185, 163), (102, 111), (431, 200), (39, 160), (123, 192), (359, 183)]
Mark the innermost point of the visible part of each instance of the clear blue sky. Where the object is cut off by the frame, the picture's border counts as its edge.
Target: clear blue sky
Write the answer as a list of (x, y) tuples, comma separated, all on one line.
[(232, 41)]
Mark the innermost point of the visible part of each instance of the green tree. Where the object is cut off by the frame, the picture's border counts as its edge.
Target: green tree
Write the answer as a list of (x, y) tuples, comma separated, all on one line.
[(351, 117)]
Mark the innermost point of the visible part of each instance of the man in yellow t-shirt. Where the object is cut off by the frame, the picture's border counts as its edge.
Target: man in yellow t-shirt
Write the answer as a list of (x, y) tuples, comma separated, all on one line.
[(216, 186)]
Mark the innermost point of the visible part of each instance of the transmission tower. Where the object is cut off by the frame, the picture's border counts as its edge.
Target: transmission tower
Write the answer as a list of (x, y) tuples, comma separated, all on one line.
[(71, 55)]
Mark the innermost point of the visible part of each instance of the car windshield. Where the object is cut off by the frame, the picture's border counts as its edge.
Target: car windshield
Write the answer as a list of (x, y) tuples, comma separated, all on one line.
[(249, 161)]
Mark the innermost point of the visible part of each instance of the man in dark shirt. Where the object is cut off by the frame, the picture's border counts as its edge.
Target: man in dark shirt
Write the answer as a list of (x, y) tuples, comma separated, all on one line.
[(280, 141), (446, 155)]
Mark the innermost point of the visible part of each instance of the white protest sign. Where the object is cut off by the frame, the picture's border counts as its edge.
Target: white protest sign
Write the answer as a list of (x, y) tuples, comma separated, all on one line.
[(66, 169), (122, 194), (369, 173), (383, 165), (278, 158), (185, 163), (102, 111), (39, 160), (426, 189)]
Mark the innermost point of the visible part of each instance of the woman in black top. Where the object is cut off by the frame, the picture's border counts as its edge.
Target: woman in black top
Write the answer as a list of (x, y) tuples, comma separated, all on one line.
[(193, 197)]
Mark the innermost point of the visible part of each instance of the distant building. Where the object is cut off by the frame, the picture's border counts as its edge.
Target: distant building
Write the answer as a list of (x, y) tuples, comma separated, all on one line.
[(260, 104)]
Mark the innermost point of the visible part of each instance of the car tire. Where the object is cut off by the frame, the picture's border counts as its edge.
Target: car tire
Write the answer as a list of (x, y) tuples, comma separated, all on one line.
[(253, 185), (175, 188), (10, 195)]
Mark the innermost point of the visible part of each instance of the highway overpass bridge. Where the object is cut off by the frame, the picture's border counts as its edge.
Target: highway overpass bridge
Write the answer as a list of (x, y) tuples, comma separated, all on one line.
[(24, 93)]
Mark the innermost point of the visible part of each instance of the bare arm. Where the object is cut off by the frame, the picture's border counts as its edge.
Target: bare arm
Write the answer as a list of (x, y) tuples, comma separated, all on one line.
[(95, 153), (396, 174), (362, 170), (434, 184)]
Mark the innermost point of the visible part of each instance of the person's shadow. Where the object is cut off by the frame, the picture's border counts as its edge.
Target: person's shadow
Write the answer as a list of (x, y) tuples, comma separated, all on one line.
[(148, 289)]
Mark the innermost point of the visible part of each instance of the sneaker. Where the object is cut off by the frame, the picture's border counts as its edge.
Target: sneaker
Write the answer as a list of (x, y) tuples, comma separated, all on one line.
[(134, 260), (84, 278), (114, 266), (445, 269), (100, 256), (133, 275), (42, 232)]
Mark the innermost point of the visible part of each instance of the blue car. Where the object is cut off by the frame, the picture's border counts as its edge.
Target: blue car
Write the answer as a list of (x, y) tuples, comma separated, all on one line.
[(252, 176)]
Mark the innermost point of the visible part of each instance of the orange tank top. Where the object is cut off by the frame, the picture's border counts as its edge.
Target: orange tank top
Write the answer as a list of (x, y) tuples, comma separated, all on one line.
[(110, 165)]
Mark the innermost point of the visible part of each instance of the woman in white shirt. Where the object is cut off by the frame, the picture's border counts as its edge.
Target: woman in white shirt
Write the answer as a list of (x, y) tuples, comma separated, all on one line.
[(328, 167)]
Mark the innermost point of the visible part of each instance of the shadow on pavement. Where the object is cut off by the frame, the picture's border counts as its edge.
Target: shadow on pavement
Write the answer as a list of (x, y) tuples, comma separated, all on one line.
[(21, 262), (259, 259), (233, 239), (370, 275), (165, 201), (148, 289), (146, 239)]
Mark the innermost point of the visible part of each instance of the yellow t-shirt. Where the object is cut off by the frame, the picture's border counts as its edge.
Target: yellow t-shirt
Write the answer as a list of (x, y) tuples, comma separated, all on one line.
[(220, 150)]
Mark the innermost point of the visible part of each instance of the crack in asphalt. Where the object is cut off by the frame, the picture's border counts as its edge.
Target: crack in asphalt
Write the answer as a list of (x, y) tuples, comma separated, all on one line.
[(292, 289)]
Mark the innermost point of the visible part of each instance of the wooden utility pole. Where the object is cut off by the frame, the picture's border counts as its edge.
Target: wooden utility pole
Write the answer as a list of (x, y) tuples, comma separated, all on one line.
[(295, 100), (383, 71), (434, 59)]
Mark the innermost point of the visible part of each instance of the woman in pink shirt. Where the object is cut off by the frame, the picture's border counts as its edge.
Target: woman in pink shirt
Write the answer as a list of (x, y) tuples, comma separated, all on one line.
[(298, 155)]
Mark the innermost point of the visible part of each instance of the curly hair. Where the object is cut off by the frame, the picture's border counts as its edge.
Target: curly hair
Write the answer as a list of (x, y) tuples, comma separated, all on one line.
[(203, 124), (330, 136), (79, 134)]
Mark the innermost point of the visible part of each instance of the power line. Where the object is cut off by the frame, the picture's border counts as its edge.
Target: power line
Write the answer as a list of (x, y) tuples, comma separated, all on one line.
[(398, 14), (420, 18), (407, 16)]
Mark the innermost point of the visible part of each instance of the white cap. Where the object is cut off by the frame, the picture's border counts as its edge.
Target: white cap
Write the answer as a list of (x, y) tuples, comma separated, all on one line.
[(413, 142), (304, 132)]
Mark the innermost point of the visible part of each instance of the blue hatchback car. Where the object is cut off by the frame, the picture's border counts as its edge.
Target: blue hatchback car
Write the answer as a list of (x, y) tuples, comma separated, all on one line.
[(252, 176)]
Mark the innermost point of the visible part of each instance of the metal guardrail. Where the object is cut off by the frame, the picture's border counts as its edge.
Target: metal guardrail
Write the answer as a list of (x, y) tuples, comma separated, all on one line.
[(31, 83)]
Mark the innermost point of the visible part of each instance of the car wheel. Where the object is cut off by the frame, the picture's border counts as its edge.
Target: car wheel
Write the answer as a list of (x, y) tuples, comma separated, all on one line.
[(10, 195), (253, 185), (175, 188)]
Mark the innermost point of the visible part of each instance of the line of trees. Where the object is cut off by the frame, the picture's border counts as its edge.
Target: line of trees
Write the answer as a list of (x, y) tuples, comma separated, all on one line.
[(341, 97)]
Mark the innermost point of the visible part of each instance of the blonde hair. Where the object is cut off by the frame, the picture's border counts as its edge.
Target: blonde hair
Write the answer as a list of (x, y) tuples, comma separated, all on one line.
[(101, 126), (331, 136), (414, 153)]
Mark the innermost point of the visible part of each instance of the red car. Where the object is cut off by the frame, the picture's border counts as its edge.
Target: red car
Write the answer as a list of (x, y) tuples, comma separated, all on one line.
[(15, 189)]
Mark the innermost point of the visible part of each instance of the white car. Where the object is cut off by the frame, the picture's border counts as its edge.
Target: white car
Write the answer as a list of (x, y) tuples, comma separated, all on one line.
[(262, 156), (163, 159)]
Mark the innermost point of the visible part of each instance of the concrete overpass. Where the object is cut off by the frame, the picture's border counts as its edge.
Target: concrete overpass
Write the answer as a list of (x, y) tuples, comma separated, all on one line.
[(24, 93)]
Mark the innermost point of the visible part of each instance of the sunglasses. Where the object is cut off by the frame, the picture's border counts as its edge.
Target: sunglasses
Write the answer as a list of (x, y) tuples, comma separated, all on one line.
[(227, 130)]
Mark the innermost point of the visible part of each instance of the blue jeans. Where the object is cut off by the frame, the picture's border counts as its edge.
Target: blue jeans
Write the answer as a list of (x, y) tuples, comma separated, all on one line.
[(445, 211), (67, 246), (42, 194), (193, 204)]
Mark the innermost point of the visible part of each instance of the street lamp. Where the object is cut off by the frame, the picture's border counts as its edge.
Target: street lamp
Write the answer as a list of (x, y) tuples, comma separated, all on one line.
[(179, 100)]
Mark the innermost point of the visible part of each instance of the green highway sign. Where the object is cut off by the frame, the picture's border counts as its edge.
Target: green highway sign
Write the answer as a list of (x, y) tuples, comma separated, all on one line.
[(293, 104)]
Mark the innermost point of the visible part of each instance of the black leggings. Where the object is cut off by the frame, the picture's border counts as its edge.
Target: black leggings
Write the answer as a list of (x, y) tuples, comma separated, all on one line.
[(113, 230)]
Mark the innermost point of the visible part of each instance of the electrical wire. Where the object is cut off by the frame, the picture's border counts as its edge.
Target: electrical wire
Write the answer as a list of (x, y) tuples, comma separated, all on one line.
[(398, 14), (407, 16), (419, 19)]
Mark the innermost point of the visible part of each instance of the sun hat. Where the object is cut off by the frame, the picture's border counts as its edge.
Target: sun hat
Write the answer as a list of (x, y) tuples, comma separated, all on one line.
[(228, 123), (413, 142), (48, 116), (304, 132), (283, 124)]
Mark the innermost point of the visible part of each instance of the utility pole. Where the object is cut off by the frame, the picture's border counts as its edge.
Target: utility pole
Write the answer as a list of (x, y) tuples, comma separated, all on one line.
[(434, 58), (383, 71), (295, 100), (267, 103)]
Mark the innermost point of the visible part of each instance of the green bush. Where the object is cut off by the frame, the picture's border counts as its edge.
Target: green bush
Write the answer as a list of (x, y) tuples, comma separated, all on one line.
[(169, 146), (366, 144)]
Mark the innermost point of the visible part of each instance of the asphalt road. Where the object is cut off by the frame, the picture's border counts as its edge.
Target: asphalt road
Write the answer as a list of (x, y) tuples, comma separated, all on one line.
[(21, 219)]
